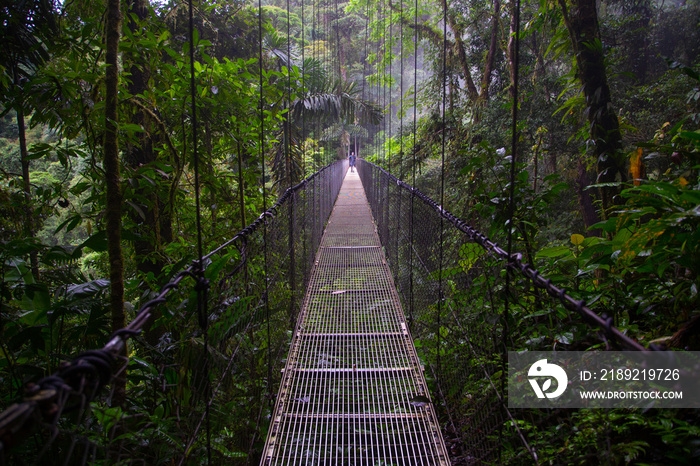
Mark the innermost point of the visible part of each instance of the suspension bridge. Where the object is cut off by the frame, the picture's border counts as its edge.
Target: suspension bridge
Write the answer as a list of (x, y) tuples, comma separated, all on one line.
[(356, 322), (353, 388)]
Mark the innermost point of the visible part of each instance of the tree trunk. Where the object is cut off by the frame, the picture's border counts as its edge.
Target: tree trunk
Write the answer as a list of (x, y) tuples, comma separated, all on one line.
[(111, 168), (241, 187), (341, 64), (491, 57), (461, 55), (26, 187), (154, 222), (511, 50), (585, 200), (457, 46), (582, 22), (551, 156)]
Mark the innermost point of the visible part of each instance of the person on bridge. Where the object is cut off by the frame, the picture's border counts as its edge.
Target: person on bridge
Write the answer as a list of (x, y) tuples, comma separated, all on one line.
[(351, 158)]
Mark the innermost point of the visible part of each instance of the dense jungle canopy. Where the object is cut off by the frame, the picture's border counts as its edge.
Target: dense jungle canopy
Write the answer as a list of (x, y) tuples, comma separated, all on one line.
[(97, 206)]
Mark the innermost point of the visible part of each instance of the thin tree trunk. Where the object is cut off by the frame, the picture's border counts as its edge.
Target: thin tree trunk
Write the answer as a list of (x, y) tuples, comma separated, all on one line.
[(536, 163), (551, 156), (582, 22), (154, 222), (461, 55), (511, 50), (585, 199), (111, 168), (434, 36), (491, 57), (241, 188), (26, 187), (287, 152)]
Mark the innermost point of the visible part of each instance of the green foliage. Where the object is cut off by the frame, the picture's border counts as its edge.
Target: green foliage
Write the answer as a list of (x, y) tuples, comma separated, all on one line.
[(640, 265), (645, 266), (613, 437), (64, 310)]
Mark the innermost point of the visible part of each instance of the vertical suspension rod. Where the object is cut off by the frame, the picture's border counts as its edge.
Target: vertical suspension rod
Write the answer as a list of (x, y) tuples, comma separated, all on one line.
[(201, 288), (442, 187)]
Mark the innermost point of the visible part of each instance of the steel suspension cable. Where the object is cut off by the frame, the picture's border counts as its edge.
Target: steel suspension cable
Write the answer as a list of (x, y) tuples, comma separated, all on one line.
[(384, 47), (511, 204), (288, 130), (288, 155), (381, 94), (391, 77), (364, 63), (336, 55), (378, 90), (264, 193), (264, 225), (514, 152), (314, 56), (201, 287), (329, 40), (326, 49), (400, 132), (413, 166), (365, 60), (322, 24), (303, 89), (442, 183), (401, 92), (303, 130)]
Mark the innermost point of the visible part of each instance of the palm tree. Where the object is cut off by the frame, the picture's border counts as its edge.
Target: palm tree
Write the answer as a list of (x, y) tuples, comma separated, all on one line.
[(332, 102), (336, 104)]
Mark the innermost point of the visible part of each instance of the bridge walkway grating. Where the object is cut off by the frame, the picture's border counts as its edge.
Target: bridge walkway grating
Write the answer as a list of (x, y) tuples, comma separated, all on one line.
[(353, 387)]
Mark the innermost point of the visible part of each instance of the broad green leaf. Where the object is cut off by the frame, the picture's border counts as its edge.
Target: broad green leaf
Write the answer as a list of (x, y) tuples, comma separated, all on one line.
[(556, 251), (97, 242), (87, 289), (577, 239)]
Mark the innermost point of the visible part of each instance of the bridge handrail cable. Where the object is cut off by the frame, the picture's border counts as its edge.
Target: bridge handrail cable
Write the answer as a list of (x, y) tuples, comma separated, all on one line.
[(515, 262), (89, 372)]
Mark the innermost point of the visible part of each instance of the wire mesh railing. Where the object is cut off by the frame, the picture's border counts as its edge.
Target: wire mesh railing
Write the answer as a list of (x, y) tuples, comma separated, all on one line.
[(352, 377), (205, 391), (452, 283)]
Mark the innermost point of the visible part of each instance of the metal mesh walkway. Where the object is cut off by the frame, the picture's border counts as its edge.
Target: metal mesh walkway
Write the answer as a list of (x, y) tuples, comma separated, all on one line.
[(353, 390)]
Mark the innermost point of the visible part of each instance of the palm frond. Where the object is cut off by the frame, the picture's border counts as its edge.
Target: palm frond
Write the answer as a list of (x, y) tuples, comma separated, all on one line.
[(277, 46), (336, 101)]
